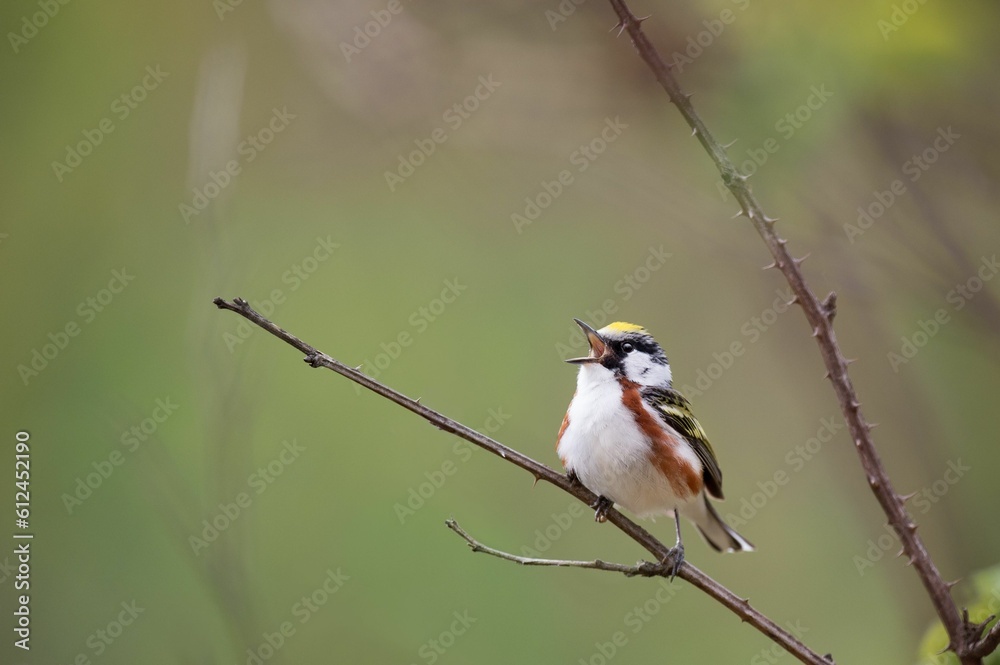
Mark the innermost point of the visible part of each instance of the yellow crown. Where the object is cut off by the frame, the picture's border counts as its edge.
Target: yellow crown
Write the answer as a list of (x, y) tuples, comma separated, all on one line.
[(622, 327)]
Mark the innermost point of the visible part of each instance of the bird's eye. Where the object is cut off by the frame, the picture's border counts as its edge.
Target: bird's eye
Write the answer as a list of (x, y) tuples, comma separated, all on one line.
[(627, 347)]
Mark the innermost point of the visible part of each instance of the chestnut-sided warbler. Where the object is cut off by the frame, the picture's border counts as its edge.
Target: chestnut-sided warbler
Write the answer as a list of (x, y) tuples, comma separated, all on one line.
[(630, 438)]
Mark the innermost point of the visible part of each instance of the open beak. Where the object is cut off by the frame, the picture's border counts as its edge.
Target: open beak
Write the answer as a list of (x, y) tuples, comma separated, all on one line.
[(598, 348)]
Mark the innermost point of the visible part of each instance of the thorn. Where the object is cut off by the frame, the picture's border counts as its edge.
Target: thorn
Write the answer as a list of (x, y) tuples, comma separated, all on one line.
[(902, 550), (815, 332), (771, 220), (694, 130), (906, 497), (850, 361), (829, 304), (641, 20), (909, 562), (730, 144), (872, 426), (688, 95), (772, 264), (912, 527), (358, 368), (782, 242), (535, 482), (417, 401), (619, 26), (826, 375), (953, 583), (739, 213), (874, 483), (855, 405), (799, 261)]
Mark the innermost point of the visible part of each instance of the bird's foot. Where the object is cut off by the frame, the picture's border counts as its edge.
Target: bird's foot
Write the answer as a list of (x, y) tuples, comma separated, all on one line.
[(673, 560), (602, 506)]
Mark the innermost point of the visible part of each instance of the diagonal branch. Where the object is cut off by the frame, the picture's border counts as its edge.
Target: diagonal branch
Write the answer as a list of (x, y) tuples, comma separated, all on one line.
[(820, 316), (739, 606), (643, 568)]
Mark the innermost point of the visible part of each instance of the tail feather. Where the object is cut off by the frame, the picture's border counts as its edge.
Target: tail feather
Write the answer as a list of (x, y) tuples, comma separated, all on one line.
[(716, 533)]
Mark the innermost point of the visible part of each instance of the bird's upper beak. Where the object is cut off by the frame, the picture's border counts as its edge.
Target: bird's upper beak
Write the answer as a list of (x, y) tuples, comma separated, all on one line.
[(599, 349)]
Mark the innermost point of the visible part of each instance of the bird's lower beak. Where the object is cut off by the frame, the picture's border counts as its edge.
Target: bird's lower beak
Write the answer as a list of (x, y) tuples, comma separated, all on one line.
[(598, 348)]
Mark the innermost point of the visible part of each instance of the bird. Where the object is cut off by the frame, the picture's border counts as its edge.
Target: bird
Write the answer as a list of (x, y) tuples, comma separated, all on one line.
[(629, 437)]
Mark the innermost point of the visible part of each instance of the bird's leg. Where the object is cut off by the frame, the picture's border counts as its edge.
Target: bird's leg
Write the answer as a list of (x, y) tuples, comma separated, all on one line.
[(603, 503), (602, 506), (676, 554), (573, 478)]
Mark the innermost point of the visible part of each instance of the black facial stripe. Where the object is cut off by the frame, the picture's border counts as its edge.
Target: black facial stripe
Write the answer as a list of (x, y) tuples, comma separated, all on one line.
[(642, 344)]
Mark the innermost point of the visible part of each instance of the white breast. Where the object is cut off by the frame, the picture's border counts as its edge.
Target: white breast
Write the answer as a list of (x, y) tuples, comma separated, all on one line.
[(608, 451)]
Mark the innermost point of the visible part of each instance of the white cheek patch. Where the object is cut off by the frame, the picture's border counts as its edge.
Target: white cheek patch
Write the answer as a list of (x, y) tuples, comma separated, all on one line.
[(639, 367)]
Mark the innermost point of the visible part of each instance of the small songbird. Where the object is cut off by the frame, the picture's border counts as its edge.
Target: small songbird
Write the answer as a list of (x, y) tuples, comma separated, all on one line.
[(630, 438)]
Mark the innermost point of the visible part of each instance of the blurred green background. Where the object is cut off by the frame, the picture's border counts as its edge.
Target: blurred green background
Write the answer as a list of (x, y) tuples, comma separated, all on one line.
[(156, 415)]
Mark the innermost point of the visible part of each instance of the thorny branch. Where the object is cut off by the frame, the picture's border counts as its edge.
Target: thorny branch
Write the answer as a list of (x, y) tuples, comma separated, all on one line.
[(739, 606), (966, 638)]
